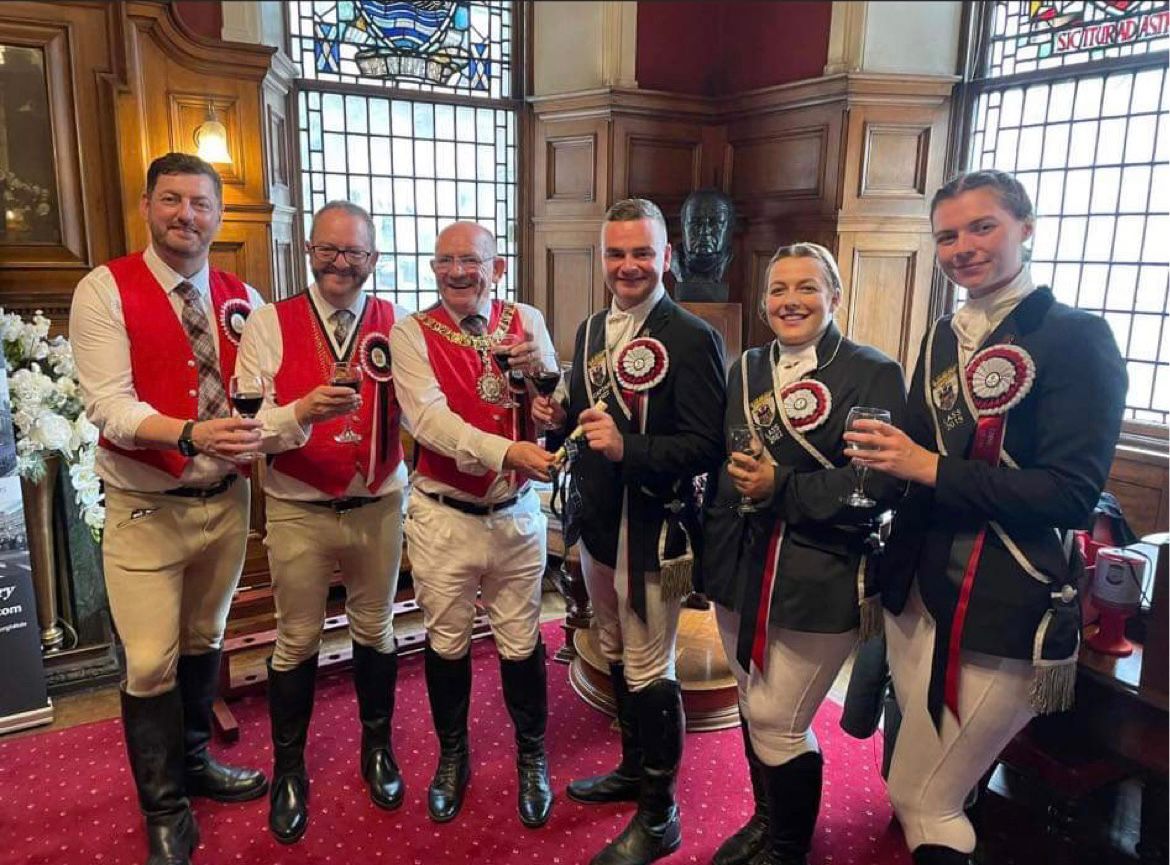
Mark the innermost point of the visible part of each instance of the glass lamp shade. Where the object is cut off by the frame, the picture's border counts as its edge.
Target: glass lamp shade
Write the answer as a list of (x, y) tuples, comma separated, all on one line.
[(211, 140)]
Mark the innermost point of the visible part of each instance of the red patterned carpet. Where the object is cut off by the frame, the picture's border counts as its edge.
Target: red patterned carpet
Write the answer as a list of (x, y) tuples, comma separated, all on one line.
[(67, 797)]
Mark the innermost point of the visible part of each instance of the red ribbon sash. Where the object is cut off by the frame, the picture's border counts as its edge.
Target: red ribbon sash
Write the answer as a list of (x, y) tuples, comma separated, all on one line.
[(987, 447), (760, 635)]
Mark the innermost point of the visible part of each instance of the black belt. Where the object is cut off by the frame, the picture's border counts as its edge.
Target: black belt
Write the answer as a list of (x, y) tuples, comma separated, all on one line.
[(471, 507), (203, 492), (350, 503)]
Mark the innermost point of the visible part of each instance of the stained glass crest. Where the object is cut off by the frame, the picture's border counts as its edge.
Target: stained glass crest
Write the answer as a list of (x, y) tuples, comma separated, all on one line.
[(454, 47), (1041, 34)]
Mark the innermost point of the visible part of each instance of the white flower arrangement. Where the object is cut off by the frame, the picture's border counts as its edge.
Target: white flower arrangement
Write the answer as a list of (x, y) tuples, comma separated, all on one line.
[(47, 412)]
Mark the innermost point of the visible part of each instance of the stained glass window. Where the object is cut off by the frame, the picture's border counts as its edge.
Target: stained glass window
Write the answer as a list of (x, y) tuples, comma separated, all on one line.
[(407, 110), (1082, 123), (447, 47)]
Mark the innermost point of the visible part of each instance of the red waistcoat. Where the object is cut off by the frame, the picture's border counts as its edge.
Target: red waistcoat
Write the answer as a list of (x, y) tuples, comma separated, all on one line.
[(161, 359), (457, 367), (323, 463)]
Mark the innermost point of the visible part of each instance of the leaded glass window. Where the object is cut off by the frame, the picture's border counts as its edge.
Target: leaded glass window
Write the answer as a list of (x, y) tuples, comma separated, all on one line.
[(406, 109), (1072, 98)]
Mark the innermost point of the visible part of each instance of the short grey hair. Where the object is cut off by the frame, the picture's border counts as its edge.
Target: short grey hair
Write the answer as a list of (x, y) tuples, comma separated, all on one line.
[(353, 210), (805, 250), (633, 209)]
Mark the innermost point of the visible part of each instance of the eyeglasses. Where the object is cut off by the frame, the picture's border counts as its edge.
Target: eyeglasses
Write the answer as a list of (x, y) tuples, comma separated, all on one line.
[(467, 262), (327, 253)]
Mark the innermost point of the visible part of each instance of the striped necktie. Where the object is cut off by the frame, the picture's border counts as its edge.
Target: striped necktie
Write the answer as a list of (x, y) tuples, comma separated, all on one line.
[(213, 402)]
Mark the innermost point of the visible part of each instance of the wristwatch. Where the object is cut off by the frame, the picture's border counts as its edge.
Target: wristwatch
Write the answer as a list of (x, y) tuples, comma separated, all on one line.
[(186, 443)]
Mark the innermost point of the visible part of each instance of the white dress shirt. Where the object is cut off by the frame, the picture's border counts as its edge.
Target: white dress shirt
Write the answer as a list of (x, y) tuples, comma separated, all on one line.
[(261, 353), (793, 362), (622, 325), (434, 424), (979, 316), (101, 349)]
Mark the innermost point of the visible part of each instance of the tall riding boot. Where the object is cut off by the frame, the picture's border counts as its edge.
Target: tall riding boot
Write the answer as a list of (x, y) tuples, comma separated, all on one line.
[(375, 676), (449, 692), (794, 798), (749, 842), (206, 776), (624, 782), (154, 744), (655, 830), (290, 706), (933, 854), (526, 695)]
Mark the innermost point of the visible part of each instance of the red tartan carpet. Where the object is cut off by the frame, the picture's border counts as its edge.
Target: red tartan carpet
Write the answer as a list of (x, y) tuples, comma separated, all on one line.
[(67, 797)]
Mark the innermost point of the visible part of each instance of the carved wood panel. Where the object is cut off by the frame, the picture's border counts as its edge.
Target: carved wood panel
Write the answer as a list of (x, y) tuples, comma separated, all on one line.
[(570, 160), (1142, 486), (567, 284), (660, 159)]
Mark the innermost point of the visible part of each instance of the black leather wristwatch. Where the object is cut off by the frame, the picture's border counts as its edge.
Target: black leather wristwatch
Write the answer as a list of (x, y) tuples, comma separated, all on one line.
[(186, 443)]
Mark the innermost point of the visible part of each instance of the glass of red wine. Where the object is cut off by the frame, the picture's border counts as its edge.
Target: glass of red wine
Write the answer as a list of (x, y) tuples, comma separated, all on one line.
[(247, 394), (347, 375), (546, 377), (501, 354)]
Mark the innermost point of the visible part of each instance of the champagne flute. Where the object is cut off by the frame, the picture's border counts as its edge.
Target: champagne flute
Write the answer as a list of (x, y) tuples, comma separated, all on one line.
[(857, 498), (247, 396), (744, 441), (503, 359), (347, 375)]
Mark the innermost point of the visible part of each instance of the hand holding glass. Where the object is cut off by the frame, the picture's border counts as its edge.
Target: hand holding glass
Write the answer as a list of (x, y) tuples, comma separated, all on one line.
[(857, 498), (744, 441), (347, 375), (545, 378), (247, 396), (501, 353)]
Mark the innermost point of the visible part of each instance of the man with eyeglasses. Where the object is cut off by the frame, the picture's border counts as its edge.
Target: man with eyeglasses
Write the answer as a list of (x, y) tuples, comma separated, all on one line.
[(154, 338), (474, 523), (333, 500)]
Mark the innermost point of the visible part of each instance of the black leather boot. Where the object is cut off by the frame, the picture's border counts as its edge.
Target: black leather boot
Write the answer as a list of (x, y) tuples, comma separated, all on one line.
[(655, 830), (750, 841), (526, 695), (449, 692), (933, 854), (154, 743), (207, 777), (624, 782), (290, 705), (794, 798), (375, 676)]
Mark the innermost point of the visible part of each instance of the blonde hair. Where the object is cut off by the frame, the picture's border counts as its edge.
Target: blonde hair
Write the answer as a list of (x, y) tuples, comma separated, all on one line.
[(804, 250)]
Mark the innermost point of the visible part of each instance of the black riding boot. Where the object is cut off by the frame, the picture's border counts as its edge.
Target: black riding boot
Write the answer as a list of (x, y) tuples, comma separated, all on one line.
[(290, 705), (375, 676), (655, 830), (154, 744), (624, 782), (793, 790), (526, 695), (198, 680), (449, 692), (932, 854), (750, 841)]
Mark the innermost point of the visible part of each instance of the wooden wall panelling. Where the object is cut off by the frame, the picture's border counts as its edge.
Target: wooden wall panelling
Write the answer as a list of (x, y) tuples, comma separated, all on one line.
[(659, 158), (83, 63), (567, 282), (570, 167), (887, 281), (1141, 482)]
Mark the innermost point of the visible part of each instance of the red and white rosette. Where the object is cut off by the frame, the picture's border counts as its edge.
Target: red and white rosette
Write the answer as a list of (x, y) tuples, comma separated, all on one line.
[(999, 377), (806, 403), (374, 354), (641, 364), (233, 315)]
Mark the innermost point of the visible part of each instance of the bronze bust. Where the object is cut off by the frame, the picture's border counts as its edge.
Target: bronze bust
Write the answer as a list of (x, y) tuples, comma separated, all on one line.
[(708, 217)]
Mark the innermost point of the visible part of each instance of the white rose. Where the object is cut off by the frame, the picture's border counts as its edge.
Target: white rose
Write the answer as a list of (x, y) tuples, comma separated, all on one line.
[(10, 327), (52, 432), (85, 434)]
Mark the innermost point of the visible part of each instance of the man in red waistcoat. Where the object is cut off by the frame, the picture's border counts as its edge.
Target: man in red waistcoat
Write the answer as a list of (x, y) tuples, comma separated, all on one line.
[(474, 522), (154, 336), (333, 500)]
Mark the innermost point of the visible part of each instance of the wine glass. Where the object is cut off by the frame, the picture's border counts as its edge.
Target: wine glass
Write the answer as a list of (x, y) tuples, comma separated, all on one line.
[(857, 498), (545, 378), (500, 353), (744, 441), (247, 394), (347, 375)]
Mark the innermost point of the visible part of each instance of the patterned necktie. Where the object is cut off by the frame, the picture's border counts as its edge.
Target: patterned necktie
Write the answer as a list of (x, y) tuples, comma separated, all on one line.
[(474, 324), (341, 322), (213, 400)]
